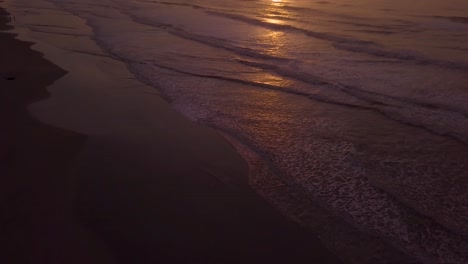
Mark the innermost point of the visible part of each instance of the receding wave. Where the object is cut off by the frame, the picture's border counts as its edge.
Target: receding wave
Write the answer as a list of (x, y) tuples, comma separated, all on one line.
[(350, 193)]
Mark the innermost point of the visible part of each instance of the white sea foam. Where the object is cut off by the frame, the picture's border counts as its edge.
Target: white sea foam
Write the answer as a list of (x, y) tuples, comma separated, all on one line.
[(371, 127)]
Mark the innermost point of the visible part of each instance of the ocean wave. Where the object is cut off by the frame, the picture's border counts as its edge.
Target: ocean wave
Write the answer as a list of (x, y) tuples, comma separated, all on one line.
[(326, 169), (223, 44), (456, 19), (178, 4), (351, 44), (411, 56), (288, 28), (435, 118), (372, 182)]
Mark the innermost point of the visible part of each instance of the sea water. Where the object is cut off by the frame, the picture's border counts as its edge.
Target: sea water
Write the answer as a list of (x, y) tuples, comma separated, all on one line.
[(360, 107)]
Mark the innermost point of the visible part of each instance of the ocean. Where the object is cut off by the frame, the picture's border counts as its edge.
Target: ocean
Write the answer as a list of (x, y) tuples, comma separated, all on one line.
[(357, 107)]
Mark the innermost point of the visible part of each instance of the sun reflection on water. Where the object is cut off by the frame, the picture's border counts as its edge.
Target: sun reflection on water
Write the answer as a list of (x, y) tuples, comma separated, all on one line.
[(275, 13), (272, 42)]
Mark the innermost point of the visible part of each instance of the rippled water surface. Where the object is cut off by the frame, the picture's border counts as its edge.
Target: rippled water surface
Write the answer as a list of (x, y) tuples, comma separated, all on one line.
[(358, 107)]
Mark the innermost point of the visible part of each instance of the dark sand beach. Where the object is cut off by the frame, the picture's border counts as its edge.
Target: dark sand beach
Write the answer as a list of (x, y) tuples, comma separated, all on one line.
[(34, 157), (179, 196)]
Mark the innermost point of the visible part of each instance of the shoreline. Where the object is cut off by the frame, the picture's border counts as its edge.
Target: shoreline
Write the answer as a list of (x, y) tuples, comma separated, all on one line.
[(35, 157), (148, 183), (99, 98)]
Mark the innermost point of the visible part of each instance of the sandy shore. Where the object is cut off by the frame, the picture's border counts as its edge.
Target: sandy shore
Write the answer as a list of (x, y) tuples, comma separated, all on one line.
[(34, 157), (103, 170)]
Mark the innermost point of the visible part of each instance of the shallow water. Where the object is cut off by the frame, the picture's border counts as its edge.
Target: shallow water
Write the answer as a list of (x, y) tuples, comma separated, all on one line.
[(360, 107)]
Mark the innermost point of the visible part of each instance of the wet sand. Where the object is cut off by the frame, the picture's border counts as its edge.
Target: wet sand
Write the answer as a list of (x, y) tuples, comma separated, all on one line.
[(98, 169), (34, 157)]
